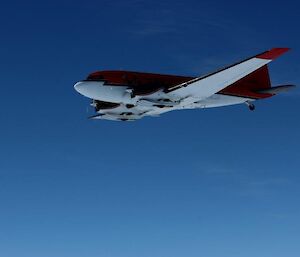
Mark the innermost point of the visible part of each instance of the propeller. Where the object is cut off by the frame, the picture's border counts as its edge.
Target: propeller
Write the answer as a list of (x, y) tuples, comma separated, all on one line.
[(93, 105)]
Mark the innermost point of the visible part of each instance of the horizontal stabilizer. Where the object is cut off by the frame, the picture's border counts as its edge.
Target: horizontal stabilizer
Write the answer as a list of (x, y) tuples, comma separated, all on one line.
[(276, 90)]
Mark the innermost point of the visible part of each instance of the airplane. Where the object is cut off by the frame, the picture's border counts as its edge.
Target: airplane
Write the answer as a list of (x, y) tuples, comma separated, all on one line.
[(129, 96)]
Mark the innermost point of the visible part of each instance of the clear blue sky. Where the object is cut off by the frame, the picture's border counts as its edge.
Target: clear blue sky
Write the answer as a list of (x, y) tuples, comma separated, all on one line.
[(215, 182)]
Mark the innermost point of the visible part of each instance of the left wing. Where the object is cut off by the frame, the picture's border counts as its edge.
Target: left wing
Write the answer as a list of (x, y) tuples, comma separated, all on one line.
[(203, 87)]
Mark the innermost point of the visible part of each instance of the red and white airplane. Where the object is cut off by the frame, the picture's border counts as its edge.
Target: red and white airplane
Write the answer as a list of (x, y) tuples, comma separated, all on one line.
[(128, 96)]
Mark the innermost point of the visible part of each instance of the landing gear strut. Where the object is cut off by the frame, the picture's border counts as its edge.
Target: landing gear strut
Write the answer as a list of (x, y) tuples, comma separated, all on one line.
[(250, 105)]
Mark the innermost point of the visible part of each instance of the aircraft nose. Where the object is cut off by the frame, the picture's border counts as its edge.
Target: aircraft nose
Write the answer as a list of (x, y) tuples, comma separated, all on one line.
[(99, 91), (87, 88), (79, 87)]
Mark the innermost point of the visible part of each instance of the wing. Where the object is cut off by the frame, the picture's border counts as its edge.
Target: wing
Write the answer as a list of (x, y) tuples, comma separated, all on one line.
[(206, 86)]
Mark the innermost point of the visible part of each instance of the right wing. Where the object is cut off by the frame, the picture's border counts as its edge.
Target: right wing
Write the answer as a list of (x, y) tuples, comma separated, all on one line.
[(203, 87)]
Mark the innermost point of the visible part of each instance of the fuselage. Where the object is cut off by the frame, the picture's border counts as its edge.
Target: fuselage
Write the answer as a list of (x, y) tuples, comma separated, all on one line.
[(144, 84), (147, 93)]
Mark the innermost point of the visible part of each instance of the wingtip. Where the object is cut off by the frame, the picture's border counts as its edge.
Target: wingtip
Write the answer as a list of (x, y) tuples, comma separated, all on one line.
[(273, 53)]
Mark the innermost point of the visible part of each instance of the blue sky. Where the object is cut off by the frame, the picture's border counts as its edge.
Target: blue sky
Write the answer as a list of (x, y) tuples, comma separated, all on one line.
[(215, 182)]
